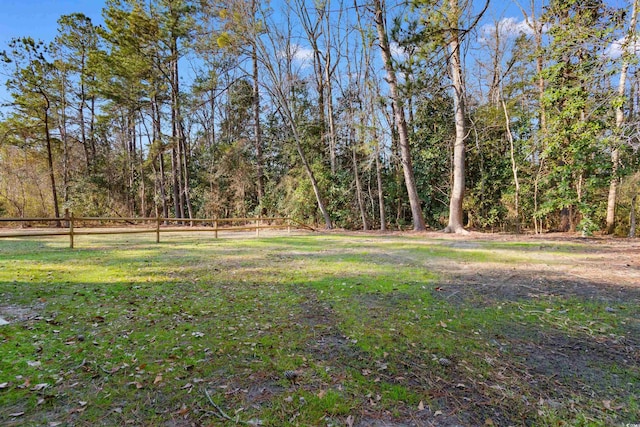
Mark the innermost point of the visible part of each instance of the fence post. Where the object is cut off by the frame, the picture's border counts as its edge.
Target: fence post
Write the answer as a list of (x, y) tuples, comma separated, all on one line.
[(215, 228), (71, 231), (157, 229), (258, 226)]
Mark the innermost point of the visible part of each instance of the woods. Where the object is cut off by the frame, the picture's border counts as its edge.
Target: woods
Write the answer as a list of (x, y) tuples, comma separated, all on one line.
[(387, 115)]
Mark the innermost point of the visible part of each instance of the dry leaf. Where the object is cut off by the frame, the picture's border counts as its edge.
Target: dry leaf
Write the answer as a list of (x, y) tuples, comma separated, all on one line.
[(39, 387), (4, 385), (16, 414), (607, 404), (350, 421), (435, 414), (158, 379), (444, 325), (322, 393), (421, 406)]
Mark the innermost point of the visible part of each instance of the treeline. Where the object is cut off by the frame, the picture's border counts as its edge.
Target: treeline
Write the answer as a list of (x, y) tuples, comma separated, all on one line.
[(357, 116)]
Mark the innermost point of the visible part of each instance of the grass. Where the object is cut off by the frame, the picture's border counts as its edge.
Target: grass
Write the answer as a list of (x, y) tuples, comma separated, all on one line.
[(202, 331)]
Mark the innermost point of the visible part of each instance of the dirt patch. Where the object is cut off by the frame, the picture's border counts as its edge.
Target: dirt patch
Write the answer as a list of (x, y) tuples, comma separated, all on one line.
[(568, 363), (12, 313)]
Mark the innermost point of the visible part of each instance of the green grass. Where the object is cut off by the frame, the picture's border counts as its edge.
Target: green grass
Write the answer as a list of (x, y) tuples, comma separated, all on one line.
[(141, 333)]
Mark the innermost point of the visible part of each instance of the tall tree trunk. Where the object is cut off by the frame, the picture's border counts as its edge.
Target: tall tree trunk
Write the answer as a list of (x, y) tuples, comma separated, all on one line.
[(455, 67), (401, 123), (176, 175), (257, 127), (615, 152), (356, 174), (383, 219), (514, 165), (52, 178), (632, 217)]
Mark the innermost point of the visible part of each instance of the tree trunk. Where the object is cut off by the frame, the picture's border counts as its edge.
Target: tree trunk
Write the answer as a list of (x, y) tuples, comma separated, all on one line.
[(632, 217), (615, 152), (401, 123), (457, 192), (383, 219), (514, 166), (52, 178), (177, 185), (257, 128), (361, 207)]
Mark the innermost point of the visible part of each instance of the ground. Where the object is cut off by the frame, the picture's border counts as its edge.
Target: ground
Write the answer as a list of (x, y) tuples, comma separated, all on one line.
[(415, 329)]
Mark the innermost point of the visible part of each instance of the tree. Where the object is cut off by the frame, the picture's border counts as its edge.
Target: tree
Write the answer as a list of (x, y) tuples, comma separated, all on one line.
[(30, 86), (400, 121), (575, 99), (629, 39)]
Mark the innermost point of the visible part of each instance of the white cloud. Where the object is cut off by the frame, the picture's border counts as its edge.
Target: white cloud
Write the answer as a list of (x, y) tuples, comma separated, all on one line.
[(508, 28), (619, 46), (301, 54), (397, 51)]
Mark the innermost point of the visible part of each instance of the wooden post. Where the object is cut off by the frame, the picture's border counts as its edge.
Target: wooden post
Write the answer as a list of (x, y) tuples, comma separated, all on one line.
[(258, 227), (157, 229), (215, 228), (71, 231)]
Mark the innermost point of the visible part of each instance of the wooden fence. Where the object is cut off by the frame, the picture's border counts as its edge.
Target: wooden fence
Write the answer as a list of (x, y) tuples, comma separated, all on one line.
[(76, 226)]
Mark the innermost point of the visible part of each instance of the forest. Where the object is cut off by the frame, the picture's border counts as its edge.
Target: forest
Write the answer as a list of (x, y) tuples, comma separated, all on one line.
[(437, 114)]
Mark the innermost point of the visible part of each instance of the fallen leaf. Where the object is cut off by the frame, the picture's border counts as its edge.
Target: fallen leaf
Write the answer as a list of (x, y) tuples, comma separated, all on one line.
[(350, 420), (607, 404), (322, 393), (158, 379), (444, 325), (16, 414), (82, 403), (421, 406), (39, 387), (4, 385), (435, 414)]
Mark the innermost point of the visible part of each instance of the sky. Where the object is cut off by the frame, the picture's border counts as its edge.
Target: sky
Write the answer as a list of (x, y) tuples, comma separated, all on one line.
[(38, 18)]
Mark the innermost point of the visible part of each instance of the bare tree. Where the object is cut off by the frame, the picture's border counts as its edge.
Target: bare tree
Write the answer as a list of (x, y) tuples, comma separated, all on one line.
[(401, 123), (615, 152)]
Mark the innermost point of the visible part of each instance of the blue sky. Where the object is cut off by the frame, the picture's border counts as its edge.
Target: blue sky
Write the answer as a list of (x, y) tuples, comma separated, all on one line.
[(38, 18)]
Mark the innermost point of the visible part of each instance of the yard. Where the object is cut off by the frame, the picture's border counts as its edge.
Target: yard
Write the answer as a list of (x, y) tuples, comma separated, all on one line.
[(335, 329)]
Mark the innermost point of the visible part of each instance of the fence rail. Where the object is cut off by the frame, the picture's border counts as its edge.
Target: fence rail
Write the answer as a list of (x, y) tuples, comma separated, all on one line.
[(73, 227)]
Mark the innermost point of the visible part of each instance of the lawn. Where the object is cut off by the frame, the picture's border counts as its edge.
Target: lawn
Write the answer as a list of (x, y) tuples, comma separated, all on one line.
[(320, 330)]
